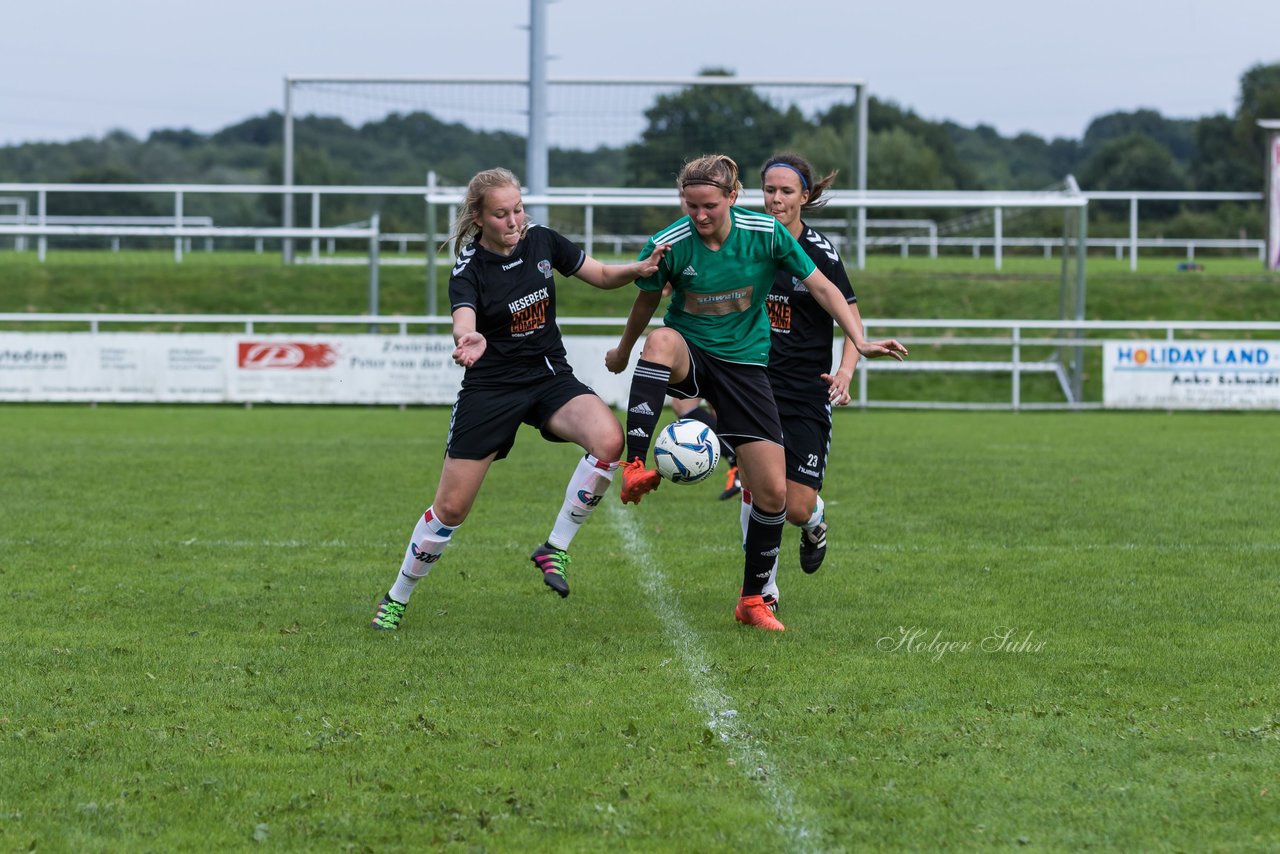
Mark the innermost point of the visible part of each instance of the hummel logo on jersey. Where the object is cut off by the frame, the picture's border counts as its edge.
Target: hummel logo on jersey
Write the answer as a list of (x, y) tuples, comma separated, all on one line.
[(641, 408), (824, 245), (689, 271), (464, 258), (639, 432)]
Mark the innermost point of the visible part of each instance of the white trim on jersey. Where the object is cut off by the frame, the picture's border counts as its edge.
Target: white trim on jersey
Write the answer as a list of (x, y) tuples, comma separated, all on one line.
[(674, 234), (756, 222)]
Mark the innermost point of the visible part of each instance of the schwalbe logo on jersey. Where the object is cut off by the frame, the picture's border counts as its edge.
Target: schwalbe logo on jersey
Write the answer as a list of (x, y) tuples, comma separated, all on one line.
[(285, 355), (544, 267)]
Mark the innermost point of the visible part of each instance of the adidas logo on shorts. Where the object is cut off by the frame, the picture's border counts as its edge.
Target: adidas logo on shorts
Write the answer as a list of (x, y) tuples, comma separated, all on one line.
[(641, 408), (639, 432), (689, 271)]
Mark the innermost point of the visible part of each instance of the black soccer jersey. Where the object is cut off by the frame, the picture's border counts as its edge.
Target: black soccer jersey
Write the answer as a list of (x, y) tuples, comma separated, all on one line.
[(801, 346), (514, 298)]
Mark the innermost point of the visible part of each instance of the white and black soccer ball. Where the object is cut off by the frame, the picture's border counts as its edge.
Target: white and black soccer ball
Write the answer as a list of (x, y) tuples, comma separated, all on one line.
[(686, 451)]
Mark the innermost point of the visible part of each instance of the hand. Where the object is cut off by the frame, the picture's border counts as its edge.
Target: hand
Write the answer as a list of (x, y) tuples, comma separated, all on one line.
[(648, 266), (470, 348), (616, 360), (839, 387), (886, 347)]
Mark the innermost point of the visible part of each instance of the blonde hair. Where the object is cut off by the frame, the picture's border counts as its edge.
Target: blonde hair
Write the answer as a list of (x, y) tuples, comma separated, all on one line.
[(465, 226), (713, 170), (804, 169)]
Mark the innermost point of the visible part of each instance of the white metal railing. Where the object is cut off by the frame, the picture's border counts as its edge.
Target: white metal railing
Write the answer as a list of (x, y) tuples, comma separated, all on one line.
[(1062, 335), (1007, 338), (618, 243), (1121, 245), (94, 321), (19, 205), (1134, 197), (362, 231), (182, 234), (179, 192), (590, 198)]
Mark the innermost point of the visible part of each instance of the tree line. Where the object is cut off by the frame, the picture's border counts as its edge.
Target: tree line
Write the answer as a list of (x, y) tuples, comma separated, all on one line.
[(1138, 150)]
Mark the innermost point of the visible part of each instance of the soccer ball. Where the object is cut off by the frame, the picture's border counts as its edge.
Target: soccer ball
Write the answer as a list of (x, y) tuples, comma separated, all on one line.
[(686, 451)]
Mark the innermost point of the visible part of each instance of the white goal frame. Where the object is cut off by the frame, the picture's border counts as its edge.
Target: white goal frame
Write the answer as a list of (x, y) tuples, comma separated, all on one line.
[(536, 165)]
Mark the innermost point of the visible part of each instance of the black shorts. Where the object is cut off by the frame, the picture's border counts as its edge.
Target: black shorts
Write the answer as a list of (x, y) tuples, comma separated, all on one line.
[(486, 417), (741, 395), (806, 437)]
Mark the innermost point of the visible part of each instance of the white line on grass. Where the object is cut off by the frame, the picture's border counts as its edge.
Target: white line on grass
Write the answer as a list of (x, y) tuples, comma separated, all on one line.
[(718, 707)]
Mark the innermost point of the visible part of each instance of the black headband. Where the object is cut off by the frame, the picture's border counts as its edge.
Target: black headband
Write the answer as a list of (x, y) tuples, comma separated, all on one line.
[(705, 181)]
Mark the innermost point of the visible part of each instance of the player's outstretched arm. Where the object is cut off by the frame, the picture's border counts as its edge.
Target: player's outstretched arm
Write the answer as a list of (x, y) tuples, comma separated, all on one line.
[(850, 319), (838, 383), (470, 343), (610, 276), (641, 313)]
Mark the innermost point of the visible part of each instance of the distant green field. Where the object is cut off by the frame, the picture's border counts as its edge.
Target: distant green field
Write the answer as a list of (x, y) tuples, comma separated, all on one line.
[(890, 287), (950, 286), (1050, 631)]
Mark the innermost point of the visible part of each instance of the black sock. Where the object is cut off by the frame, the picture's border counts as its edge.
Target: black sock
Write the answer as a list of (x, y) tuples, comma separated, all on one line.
[(764, 539), (648, 391), (706, 416)]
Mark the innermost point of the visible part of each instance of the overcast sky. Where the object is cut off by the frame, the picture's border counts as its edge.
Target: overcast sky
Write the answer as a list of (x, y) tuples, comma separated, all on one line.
[(83, 67)]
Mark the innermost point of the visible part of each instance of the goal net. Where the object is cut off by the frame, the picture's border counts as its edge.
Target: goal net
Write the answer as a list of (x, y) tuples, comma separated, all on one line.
[(614, 134)]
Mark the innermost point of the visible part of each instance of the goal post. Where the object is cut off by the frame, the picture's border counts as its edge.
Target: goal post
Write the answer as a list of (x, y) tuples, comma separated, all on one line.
[(621, 132)]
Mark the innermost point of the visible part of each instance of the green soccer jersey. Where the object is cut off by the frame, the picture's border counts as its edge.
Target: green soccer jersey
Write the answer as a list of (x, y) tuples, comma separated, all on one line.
[(718, 296)]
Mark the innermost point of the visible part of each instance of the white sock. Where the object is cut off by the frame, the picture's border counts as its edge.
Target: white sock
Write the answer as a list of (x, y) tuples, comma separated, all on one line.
[(816, 519), (744, 513), (589, 483), (430, 536)]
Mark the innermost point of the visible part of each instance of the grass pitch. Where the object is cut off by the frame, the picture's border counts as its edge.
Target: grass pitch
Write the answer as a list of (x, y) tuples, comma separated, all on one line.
[(1046, 630)]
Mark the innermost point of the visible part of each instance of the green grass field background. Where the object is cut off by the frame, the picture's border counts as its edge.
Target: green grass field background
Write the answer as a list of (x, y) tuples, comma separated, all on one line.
[(188, 665), (1041, 631)]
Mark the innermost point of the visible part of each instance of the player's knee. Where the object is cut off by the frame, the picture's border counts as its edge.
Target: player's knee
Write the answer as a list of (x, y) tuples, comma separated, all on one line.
[(607, 446), (769, 500), (797, 514), (661, 345), (450, 513)]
